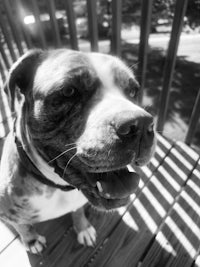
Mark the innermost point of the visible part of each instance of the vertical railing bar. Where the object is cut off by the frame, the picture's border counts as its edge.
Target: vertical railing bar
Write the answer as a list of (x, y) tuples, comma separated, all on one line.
[(2, 74), (170, 61), (13, 26), (18, 7), (193, 120), (7, 37), (27, 38), (92, 24), (116, 27), (146, 13), (54, 24), (36, 13), (4, 57), (71, 22)]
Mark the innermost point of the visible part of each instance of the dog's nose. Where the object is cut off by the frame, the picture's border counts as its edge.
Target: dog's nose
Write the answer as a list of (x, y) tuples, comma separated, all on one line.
[(134, 124)]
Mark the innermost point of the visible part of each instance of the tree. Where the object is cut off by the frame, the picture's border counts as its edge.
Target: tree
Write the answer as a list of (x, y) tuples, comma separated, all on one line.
[(193, 13)]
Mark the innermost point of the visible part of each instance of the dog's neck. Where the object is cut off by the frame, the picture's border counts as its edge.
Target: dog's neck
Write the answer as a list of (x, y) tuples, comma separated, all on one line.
[(36, 159)]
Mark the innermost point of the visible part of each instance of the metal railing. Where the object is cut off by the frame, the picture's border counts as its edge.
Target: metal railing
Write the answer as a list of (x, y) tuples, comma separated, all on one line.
[(17, 40)]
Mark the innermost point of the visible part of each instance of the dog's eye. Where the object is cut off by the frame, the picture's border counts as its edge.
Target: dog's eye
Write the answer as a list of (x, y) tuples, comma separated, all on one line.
[(130, 92), (69, 91), (132, 89)]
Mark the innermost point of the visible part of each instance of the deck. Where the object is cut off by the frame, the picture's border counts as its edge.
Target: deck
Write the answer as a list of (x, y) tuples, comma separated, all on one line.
[(160, 227)]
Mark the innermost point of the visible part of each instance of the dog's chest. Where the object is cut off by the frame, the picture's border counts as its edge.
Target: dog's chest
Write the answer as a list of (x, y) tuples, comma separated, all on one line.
[(57, 204)]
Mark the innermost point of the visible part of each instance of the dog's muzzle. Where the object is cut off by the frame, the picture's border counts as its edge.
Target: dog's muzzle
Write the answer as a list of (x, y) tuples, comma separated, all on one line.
[(131, 140), (110, 190), (116, 184)]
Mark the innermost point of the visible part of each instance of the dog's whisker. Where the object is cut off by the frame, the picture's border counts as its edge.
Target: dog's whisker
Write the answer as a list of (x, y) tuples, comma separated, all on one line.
[(70, 144), (71, 159), (68, 164), (133, 65), (61, 154), (109, 151)]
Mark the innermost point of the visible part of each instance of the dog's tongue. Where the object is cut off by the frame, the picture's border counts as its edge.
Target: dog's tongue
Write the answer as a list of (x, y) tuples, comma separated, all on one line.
[(118, 184)]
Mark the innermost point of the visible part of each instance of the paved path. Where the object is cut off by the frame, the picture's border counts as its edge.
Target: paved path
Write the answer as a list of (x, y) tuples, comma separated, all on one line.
[(189, 45)]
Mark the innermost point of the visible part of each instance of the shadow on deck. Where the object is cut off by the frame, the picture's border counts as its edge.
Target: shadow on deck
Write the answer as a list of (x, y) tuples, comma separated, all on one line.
[(160, 227)]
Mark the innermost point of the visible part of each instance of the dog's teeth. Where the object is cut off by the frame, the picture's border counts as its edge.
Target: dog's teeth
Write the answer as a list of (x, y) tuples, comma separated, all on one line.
[(99, 186), (108, 195)]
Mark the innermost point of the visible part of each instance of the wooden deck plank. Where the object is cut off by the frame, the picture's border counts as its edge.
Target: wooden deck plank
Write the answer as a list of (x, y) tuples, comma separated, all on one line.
[(197, 262), (14, 255), (162, 149), (117, 248), (188, 153), (148, 211), (62, 246), (178, 241), (6, 236)]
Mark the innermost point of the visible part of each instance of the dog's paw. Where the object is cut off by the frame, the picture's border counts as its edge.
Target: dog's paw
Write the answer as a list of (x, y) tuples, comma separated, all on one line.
[(36, 246), (87, 236)]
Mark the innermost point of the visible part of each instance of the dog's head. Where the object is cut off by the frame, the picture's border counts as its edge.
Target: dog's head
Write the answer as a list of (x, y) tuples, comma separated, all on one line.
[(81, 114)]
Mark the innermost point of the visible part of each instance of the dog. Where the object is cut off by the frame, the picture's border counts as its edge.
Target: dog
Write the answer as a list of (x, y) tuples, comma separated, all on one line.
[(77, 128)]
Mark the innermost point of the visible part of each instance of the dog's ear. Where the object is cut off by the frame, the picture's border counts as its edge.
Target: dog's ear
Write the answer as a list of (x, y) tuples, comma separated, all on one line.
[(21, 74)]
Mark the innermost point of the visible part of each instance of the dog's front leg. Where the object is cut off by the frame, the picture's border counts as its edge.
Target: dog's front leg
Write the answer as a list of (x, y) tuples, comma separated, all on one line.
[(86, 234), (32, 241)]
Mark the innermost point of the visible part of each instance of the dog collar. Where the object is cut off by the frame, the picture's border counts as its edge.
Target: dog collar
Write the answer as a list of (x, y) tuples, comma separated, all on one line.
[(37, 174)]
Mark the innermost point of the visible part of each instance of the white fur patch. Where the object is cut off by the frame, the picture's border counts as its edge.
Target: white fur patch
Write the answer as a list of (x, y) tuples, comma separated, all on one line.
[(58, 204)]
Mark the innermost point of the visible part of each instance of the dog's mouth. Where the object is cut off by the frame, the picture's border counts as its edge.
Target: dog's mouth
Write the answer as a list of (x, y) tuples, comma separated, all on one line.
[(111, 189)]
